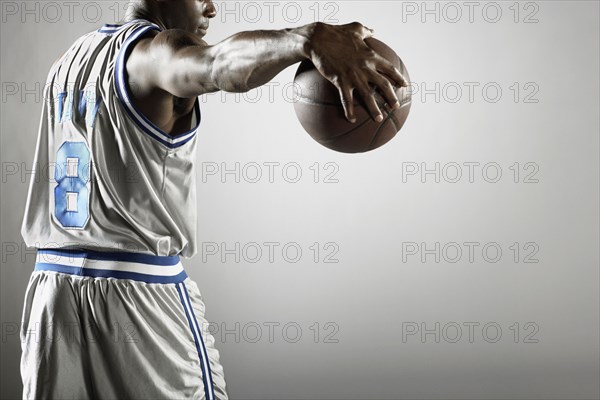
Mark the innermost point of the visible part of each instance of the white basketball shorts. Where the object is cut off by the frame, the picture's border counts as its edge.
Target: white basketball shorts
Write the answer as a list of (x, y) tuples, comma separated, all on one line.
[(116, 326)]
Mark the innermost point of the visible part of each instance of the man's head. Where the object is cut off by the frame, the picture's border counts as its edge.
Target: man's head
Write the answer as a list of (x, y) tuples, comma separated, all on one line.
[(189, 15)]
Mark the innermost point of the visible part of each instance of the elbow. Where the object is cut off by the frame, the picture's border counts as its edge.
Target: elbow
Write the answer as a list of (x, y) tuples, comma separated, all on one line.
[(231, 74), (187, 80), (229, 81)]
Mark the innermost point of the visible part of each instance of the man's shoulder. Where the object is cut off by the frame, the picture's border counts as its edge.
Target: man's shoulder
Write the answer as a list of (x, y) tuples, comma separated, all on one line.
[(121, 31), (111, 29)]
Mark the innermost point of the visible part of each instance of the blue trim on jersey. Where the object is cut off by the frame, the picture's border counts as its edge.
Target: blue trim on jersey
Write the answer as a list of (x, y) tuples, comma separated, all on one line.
[(171, 141), (113, 256), (112, 28), (206, 374), (109, 31), (108, 273)]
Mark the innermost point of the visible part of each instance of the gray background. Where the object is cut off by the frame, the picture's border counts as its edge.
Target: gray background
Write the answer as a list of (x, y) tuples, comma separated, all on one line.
[(372, 213)]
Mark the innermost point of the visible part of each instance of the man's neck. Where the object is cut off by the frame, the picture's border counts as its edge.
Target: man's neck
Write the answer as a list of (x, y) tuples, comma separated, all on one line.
[(139, 10)]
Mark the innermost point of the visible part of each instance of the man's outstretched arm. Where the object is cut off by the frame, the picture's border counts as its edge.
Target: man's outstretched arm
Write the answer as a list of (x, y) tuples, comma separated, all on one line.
[(185, 66)]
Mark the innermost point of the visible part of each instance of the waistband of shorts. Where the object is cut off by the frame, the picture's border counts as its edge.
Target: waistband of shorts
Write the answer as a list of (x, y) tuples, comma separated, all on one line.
[(119, 265)]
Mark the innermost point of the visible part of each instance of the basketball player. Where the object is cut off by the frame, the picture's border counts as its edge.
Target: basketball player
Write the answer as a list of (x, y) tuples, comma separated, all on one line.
[(109, 310)]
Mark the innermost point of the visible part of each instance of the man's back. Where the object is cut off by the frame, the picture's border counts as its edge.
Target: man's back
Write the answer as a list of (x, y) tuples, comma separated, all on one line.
[(106, 177)]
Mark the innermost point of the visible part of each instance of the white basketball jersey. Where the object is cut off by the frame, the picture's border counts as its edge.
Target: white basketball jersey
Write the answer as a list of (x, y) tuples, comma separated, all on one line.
[(105, 177)]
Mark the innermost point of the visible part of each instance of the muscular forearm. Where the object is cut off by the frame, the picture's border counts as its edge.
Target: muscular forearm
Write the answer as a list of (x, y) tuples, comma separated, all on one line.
[(251, 59), (237, 64)]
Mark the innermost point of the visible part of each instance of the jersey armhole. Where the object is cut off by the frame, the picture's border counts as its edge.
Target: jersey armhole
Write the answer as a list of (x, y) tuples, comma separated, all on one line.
[(126, 98)]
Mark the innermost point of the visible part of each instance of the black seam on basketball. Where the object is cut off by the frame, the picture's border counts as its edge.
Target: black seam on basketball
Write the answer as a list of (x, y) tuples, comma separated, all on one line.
[(395, 122), (360, 125), (332, 138), (378, 131)]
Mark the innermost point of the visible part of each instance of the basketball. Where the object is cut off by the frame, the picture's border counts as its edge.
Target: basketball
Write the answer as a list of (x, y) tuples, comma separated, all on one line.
[(320, 112)]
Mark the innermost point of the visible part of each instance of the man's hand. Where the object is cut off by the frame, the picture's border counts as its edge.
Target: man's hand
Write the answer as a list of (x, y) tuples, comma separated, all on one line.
[(341, 55)]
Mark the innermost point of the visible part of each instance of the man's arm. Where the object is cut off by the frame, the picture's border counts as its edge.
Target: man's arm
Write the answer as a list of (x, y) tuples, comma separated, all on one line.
[(183, 65)]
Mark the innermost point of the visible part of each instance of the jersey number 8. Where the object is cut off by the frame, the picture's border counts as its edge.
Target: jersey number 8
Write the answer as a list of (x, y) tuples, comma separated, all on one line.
[(71, 194)]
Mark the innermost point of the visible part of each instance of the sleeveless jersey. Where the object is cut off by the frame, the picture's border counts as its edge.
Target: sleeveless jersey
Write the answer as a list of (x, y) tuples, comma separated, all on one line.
[(104, 176)]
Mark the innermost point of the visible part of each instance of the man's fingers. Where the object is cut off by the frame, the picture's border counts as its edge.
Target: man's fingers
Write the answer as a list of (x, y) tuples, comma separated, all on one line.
[(390, 70), (369, 99), (347, 102), (398, 77), (388, 91)]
